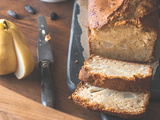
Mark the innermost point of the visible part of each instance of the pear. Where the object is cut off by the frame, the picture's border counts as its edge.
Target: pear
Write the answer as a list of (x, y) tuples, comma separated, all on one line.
[(15, 55), (25, 61), (8, 59)]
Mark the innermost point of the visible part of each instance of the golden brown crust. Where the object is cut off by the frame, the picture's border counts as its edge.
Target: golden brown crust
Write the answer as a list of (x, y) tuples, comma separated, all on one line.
[(102, 12), (137, 83), (98, 107)]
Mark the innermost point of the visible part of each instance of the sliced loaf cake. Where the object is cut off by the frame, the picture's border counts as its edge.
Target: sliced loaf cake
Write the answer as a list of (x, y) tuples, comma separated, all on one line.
[(130, 105), (117, 75)]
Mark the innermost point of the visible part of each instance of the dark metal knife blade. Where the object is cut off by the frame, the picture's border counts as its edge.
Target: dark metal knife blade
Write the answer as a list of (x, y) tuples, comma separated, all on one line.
[(45, 58)]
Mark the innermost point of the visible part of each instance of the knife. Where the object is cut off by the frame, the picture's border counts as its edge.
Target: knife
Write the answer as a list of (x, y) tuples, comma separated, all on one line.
[(45, 58)]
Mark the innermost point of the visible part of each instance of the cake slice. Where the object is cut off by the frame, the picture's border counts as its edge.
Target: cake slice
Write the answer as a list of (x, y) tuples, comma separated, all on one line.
[(117, 75), (123, 29), (130, 105)]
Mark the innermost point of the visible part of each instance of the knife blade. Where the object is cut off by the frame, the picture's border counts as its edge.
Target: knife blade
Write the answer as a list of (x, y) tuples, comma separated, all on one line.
[(45, 58)]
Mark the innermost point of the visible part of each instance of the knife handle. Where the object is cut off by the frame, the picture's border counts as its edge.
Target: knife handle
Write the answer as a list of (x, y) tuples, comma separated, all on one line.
[(47, 94)]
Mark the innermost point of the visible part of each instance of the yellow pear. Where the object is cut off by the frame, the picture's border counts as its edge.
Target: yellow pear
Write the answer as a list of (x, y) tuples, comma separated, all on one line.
[(15, 55), (8, 59)]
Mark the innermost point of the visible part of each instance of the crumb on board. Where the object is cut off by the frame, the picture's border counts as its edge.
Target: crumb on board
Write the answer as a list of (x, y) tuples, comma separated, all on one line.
[(70, 97), (47, 37), (43, 32), (76, 61), (75, 53)]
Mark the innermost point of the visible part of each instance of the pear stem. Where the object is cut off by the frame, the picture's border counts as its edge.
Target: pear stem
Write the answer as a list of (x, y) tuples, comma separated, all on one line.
[(5, 24)]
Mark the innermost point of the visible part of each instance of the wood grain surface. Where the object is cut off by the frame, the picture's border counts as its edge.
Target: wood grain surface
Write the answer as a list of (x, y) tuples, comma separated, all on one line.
[(22, 108), (16, 95)]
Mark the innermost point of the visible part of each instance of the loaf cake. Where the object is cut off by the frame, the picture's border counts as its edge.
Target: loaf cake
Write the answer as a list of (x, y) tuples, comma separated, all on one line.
[(123, 29), (117, 75), (130, 105)]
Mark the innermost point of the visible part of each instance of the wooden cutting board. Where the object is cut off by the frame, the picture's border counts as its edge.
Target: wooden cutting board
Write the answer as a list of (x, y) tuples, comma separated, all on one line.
[(21, 99), (17, 107)]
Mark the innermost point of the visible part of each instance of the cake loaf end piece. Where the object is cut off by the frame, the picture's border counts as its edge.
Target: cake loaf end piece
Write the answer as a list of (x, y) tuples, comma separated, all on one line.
[(123, 29)]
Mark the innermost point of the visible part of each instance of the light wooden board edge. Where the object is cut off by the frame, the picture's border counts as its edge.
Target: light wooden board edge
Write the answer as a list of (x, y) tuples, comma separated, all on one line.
[(14, 106)]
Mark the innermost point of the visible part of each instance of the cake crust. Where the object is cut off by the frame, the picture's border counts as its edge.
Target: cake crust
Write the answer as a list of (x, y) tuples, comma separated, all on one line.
[(118, 12)]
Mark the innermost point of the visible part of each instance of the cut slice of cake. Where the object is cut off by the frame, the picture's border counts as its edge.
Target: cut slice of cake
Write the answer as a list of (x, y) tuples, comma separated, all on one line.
[(130, 105), (117, 75)]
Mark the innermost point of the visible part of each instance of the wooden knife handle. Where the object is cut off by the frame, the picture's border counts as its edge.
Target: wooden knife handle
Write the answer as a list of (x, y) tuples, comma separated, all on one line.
[(47, 94)]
